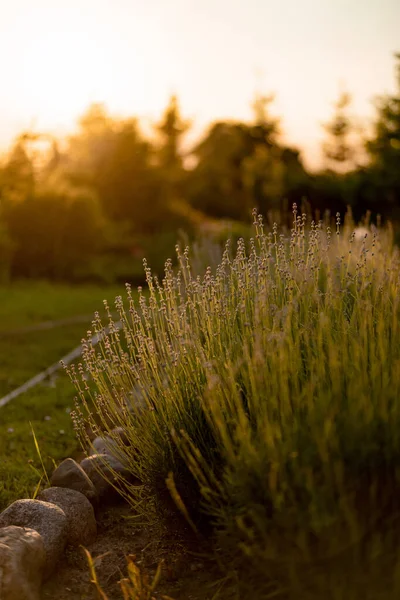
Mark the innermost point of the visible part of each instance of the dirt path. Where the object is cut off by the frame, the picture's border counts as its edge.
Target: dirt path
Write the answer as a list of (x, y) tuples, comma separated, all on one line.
[(186, 574)]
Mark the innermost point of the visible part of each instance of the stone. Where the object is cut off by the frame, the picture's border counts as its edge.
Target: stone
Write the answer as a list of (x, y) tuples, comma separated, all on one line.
[(104, 445), (135, 400), (82, 527), (102, 469), (120, 433), (110, 444), (22, 560), (47, 519), (71, 475)]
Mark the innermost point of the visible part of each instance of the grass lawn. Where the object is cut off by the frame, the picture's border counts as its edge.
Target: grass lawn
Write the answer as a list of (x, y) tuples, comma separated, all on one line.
[(23, 355)]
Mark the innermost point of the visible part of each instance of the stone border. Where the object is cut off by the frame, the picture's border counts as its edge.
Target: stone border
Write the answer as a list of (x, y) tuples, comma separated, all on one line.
[(34, 533)]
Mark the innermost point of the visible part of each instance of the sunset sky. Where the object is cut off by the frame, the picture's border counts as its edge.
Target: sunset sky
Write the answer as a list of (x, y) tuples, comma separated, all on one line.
[(58, 56)]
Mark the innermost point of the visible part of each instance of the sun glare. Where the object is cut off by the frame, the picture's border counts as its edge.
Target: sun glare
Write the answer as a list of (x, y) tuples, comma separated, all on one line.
[(64, 72)]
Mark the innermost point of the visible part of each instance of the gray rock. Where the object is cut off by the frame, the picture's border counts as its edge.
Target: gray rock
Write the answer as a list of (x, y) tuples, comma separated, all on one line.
[(22, 560), (135, 400), (104, 445), (120, 433), (82, 527), (110, 444), (102, 470), (70, 475), (47, 519)]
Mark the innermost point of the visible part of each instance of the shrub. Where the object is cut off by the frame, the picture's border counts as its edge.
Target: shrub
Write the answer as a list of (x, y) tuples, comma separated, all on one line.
[(264, 396), (54, 235)]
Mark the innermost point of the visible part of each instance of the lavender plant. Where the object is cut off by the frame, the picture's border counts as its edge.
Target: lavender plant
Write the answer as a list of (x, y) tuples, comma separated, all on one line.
[(264, 395)]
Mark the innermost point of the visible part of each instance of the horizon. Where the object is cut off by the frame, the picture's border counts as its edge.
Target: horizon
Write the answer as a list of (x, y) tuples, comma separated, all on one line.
[(131, 58)]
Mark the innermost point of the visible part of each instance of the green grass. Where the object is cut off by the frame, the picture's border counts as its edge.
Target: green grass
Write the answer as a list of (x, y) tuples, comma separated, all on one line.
[(28, 303), (272, 389), (23, 355)]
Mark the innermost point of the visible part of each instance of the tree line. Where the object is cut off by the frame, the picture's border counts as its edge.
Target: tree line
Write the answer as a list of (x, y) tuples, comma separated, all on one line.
[(91, 207)]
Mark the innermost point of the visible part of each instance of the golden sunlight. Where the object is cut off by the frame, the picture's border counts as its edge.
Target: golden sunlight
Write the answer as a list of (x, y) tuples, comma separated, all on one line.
[(66, 71)]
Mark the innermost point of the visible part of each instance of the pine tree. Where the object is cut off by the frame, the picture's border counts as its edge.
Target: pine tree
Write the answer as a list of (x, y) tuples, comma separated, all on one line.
[(338, 150), (171, 131)]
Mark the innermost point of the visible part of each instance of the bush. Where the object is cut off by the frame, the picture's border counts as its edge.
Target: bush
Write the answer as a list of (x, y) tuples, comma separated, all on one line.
[(264, 396), (54, 235)]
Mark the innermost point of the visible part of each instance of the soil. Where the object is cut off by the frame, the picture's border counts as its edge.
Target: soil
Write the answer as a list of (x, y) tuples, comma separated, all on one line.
[(188, 572)]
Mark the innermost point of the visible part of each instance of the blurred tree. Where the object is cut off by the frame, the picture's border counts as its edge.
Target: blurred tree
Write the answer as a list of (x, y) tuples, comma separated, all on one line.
[(6, 251), (215, 185), (265, 128), (128, 184), (336, 187), (54, 235), (133, 179), (384, 147), (110, 190), (240, 166), (17, 175), (112, 158), (338, 150), (90, 148), (263, 177), (263, 168), (384, 152), (171, 131), (43, 151)]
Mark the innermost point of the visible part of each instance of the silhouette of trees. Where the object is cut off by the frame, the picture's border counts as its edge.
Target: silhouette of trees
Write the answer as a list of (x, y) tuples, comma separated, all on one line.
[(47, 230), (240, 166), (94, 206)]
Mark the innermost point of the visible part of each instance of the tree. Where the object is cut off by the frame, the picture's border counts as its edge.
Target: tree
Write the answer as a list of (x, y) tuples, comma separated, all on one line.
[(89, 150), (170, 132), (135, 180), (240, 166), (338, 149), (263, 169), (384, 149), (17, 176), (215, 185), (265, 128), (112, 158), (128, 183)]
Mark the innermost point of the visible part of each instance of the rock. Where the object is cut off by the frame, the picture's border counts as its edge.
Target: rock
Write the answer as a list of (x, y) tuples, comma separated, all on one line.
[(104, 445), (70, 475), (22, 560), (101, 469), (120, 433), (135, 400), (110, 444), (82, 527), (47, 519)]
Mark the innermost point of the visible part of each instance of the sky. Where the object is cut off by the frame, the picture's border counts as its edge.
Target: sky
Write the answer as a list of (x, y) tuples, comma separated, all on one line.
[(58, 56)]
